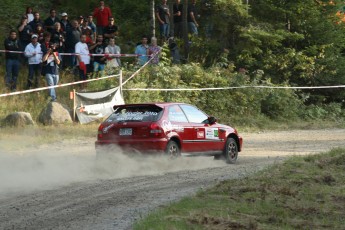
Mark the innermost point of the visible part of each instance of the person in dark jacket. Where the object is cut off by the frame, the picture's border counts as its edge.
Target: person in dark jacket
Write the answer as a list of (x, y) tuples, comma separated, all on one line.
[(37, 20), (25, 32), (51, 63), (50, 21), (12, 60), (72, 38)]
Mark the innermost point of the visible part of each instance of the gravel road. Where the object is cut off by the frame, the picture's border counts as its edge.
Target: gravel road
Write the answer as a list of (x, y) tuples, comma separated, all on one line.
[(59, 186)]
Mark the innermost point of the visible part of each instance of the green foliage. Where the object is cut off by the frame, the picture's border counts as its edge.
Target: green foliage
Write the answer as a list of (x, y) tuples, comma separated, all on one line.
[(267, 42), (302, 193), (332, 111), (237, 104)]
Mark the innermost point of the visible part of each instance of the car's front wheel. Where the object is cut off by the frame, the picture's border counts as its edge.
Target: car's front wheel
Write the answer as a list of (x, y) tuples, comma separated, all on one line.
[(231, 151), (173, 150)]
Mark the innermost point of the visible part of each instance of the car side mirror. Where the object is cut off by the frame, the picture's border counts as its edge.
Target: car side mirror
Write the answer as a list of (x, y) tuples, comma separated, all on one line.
[(212, 120)]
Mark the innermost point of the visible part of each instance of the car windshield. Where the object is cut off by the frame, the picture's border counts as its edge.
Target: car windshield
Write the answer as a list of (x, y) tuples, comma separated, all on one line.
[(135, 113)]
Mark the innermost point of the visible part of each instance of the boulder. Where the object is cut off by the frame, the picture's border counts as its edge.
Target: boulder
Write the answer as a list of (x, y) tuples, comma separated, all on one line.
[(55, 113), (18, 119)]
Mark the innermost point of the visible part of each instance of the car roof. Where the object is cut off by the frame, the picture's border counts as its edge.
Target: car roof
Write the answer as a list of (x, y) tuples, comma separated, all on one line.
[(159, 104)]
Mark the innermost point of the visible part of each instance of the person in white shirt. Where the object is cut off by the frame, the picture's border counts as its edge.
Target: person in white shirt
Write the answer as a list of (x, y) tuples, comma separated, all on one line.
[(33, 52), (83, 57)]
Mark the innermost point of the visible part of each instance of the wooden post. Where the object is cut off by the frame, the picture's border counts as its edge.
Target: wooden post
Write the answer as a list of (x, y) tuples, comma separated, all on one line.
[(120, 83), (74, 105)]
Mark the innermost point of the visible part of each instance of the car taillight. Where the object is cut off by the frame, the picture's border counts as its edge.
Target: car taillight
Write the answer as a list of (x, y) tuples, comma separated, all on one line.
[(100, 131), (155, 130)]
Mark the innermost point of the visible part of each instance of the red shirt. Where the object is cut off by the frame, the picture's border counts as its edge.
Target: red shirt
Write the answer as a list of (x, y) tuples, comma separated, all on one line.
[(102, 16)]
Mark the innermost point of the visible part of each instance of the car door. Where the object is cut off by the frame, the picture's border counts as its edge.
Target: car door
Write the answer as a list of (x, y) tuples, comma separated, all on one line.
[(177, 122), (205, 137)]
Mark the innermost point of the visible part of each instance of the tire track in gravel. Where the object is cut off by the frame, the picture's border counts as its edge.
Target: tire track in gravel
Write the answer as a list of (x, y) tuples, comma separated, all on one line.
[(64, 189)]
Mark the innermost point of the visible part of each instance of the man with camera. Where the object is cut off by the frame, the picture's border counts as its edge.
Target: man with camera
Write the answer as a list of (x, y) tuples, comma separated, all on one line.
[(50, 67)]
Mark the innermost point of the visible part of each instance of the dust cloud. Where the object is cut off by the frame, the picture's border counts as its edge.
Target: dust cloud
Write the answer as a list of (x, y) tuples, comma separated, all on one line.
[(26, 168)]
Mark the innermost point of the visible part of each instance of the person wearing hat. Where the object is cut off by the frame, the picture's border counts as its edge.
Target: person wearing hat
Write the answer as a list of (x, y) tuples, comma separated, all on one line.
[(33, 52), (65, 24)]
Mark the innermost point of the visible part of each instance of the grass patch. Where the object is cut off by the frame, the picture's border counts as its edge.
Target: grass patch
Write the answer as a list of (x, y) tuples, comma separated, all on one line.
[(302, 193)]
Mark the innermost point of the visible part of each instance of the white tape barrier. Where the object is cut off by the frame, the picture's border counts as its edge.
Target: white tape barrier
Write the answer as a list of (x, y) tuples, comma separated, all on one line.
[(80, 82), (142, 67), (240, 87), (56, 86)]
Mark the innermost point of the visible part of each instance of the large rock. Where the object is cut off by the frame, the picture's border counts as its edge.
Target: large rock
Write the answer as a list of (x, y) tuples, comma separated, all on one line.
[(55, 113), (18, 119)]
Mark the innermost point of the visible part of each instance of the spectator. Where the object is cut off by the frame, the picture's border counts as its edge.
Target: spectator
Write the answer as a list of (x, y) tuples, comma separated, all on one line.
[(45, 44), (12, 60), (50, 21), (65, 24), (98, 61), (33, 52), (111, 30), (37, 20), (58, 37), (40, 33), (163, 16), (191, 18), (80, 20), (93, 27), (51, 63), (112, 48), (142, 51), (25, 31), (174, 52), (83, 57), (178, 12), (154, 51), (102, 14), (85, 29), (72, 38), (29, 14)]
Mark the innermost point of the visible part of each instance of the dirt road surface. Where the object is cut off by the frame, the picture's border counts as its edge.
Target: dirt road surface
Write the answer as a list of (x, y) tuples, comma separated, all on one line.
[(59, 186)]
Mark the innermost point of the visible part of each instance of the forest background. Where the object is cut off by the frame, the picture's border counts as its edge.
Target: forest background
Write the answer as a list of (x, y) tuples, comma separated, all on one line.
[(241, 43)]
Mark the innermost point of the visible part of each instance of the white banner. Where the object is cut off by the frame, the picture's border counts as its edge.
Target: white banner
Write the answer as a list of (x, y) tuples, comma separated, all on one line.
[(96, 105)]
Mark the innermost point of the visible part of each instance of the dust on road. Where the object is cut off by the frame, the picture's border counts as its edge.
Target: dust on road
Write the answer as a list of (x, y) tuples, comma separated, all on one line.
[(58, 186)]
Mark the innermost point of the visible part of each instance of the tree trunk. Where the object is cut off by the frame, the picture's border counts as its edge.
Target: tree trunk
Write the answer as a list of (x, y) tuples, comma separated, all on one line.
[(171, 21), (185, 30), (153, 19)]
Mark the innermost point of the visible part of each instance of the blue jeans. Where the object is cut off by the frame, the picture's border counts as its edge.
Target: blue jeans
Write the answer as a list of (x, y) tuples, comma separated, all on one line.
[(34, 74), (52, 79), (165, 30), (12, 70), (70, 60), (193, 29)]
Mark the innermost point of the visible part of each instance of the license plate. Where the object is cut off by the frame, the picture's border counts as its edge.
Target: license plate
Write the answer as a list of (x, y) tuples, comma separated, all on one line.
[(126, 132)]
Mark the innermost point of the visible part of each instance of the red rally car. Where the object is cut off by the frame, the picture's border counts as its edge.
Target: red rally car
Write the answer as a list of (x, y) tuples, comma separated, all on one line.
[(170, 128)]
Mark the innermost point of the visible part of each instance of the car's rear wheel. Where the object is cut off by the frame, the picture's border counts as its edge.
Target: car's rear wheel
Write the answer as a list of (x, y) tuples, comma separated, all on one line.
[(172, 150), (231, 151)]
